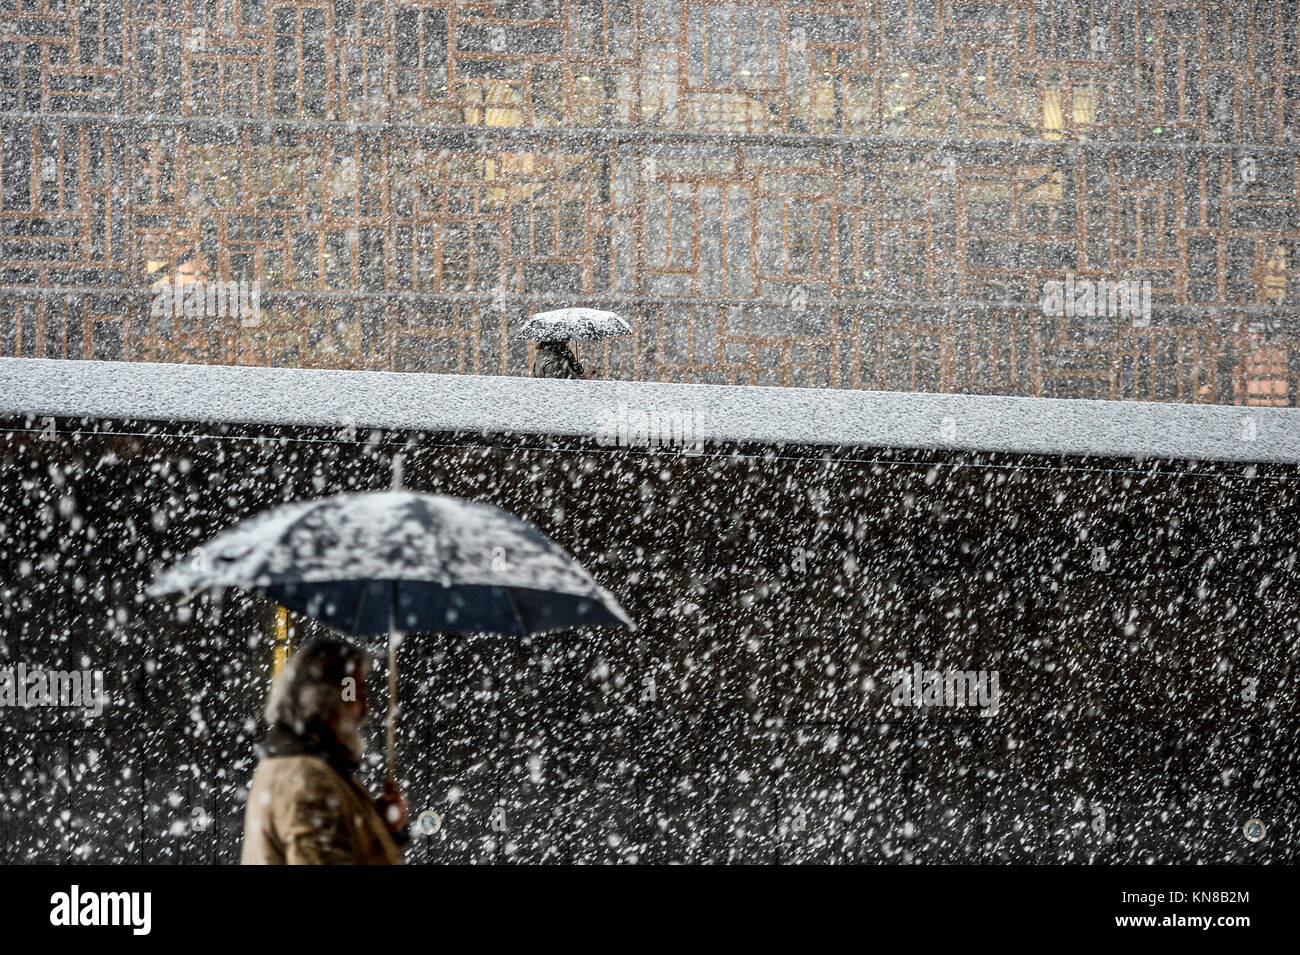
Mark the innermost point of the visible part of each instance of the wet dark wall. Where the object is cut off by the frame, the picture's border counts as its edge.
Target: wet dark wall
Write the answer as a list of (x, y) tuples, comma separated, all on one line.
[(1141, 617)]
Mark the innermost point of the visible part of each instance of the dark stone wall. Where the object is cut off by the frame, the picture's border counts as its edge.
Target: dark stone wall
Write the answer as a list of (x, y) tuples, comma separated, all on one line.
[(748, 719)]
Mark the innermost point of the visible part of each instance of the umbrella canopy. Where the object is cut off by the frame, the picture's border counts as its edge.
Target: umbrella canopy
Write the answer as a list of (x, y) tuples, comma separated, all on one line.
[(398, 561), (566, 324), (366, 564)]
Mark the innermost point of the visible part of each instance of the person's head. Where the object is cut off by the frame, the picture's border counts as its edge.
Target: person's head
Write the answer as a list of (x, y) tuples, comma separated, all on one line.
[(322, 690)]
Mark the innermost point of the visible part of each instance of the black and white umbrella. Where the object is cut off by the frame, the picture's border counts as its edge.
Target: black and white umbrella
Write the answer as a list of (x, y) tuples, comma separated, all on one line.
[(574, 324), (399, 562)]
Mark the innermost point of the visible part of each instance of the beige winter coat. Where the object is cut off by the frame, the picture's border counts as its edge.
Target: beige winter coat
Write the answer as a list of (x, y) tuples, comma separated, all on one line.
[(302, 812)]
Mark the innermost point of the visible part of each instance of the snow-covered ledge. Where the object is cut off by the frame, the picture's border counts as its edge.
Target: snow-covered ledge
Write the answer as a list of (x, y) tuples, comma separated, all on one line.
[(493, 404)]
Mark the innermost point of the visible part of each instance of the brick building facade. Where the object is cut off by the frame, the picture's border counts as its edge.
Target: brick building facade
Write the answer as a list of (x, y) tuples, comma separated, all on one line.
[(866, 195)]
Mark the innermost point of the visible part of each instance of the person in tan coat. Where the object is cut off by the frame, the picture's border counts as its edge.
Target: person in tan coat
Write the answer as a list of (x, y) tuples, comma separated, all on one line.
[(306, 806)]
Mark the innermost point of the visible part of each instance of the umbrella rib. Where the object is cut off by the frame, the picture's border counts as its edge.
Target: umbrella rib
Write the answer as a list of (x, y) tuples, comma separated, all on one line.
[(361, 602), (523, 631)]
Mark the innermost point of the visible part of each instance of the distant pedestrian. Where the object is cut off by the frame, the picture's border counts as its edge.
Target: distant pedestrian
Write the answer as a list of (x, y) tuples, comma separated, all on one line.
[(556, 360)]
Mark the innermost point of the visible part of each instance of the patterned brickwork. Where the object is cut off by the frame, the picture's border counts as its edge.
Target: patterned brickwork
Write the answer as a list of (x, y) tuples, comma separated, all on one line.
[(866, 195)]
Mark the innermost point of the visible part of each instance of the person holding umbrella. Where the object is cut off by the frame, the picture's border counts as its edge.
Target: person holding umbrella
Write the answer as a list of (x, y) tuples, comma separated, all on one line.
[(306, 806), (553, 331), (365, 564), (556, 360)]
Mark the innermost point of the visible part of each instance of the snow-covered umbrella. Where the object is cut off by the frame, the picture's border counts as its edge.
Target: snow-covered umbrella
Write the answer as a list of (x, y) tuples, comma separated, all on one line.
[(575, 324), (400, 562)]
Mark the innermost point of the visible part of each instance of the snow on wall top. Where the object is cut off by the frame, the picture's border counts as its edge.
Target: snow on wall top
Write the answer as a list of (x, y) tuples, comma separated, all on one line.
[(615, 411)]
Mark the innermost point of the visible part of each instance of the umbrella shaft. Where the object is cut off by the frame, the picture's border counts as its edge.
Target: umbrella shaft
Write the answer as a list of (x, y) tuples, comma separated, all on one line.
[(392, 686), (392, 707)]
